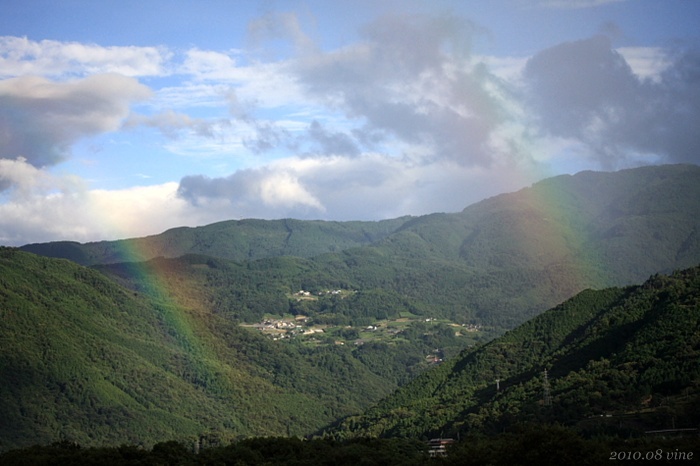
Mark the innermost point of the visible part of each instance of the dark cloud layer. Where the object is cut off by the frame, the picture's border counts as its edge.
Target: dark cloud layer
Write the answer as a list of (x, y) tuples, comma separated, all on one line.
[(410, 80), (329, 142), (587, 91), (268, 136), (40, 119)]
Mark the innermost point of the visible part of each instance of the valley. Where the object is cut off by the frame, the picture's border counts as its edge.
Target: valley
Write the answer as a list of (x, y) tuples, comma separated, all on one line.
[(346, 330), (391, 331), (315, 329)]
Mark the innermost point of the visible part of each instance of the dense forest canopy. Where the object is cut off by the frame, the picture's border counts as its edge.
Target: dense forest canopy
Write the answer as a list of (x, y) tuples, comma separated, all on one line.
[(412, 328)]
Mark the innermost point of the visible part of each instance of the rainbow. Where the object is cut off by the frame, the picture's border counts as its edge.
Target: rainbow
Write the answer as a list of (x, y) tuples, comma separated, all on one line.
[(176, 305)]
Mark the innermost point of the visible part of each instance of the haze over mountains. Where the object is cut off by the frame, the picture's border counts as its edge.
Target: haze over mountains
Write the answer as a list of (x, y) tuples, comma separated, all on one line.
[(145, 343)]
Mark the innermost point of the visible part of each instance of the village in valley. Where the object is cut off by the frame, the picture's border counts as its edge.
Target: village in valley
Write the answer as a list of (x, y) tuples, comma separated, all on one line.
[(306, 329)]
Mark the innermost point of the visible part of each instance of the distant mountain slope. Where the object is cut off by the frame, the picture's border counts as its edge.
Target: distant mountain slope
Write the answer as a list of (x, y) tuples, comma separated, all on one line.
[(565, 220), (235, 239), (507, 258), (497, 263), (82, 359), (631, 355), (619, 226), (616, 225)]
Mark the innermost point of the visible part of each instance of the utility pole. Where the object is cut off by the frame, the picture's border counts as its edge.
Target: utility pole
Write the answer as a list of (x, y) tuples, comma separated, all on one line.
[(546, 395)]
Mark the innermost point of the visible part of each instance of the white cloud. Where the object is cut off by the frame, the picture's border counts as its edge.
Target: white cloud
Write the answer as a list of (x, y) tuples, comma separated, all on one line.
[(22, 177), (210, 65), (383, 127), (283, 189), (262, 84), (646, 62), (171, 123), (425, 93), (89, 215), (370, 186), (20, 56), (138, 211)]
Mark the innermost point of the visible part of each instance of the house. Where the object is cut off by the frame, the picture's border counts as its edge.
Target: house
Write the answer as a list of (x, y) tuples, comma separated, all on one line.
[(438, 446)]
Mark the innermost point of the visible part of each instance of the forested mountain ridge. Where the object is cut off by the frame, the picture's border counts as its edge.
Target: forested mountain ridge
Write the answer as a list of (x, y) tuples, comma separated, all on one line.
[(247, 239), (131, 350), (496, 263), (589, 211), (85, 360), (619, 360)]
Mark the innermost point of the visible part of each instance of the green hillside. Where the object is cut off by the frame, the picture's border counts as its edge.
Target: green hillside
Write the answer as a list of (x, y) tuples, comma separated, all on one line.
[(85, 360), (620, 360), (505, 259), (248, 239), (496, 263), (175, 347)]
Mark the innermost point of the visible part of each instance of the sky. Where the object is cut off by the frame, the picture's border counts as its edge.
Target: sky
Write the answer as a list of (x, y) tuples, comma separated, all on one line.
[(124, 119)]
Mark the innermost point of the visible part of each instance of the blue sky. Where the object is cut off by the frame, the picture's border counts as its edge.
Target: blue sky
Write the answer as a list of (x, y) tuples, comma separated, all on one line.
[(122, 119)]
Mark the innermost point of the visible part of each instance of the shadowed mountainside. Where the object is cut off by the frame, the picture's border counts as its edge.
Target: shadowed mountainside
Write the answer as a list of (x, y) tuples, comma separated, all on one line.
[(619, 360), (83, 359)]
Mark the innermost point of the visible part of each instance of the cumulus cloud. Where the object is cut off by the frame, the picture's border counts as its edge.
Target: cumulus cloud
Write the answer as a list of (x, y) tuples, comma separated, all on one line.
[(270, 189), (369, 186), (22, 177), (79, 214), (424, 122), (418, 124), (587, 91), (41, 119), (122, 212), (40, 206), (406, 120), (411, 80)]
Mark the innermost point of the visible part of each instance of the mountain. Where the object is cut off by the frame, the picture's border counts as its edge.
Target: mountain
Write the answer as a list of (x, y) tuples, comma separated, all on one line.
[(239, 240), (619, 360), (496, 263), (136, 350), (85, 360)]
